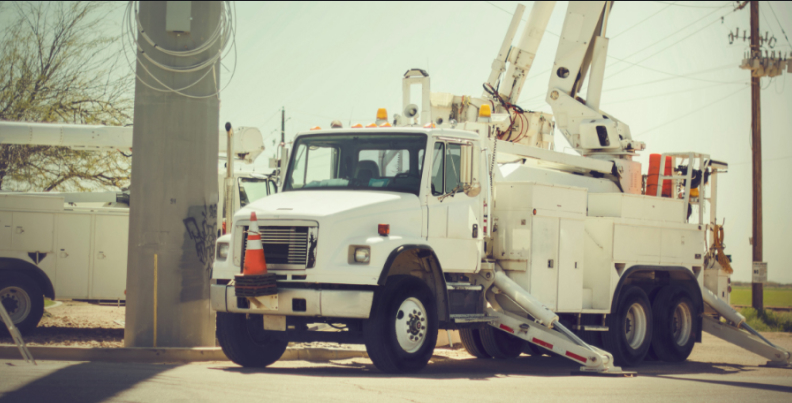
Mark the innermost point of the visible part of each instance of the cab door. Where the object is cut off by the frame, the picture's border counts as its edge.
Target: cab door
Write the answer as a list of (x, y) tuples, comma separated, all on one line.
[(454, 227)]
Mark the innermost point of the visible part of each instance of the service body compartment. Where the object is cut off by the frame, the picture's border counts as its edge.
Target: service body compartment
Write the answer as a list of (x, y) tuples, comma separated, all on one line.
[(638, 207), (539, 240)]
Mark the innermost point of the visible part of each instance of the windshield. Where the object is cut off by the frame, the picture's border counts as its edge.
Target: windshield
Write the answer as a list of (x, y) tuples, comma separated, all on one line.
[(251, 189), (390, 162)]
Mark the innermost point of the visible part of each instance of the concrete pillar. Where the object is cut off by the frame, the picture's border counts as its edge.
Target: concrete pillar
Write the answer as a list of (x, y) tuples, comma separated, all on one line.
[(174, 191)]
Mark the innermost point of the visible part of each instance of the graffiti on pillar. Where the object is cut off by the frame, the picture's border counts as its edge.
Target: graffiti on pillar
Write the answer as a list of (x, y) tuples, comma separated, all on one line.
[(202, 228)]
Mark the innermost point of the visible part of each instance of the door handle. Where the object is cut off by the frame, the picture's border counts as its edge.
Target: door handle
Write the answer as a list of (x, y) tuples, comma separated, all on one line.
[(64, 254), (101, 255), (475, 230), (19, 230)]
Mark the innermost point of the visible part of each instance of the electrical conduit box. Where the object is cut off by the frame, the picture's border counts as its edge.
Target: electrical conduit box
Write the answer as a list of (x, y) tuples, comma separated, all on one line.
[(178, 15)]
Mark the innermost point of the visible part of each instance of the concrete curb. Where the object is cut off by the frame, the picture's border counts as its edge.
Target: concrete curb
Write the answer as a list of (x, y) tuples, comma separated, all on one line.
[(176, 354)]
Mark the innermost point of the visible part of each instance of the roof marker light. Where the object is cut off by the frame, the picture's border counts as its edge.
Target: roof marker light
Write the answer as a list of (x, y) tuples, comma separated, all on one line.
[(357, 126), (316, 128), (485, 113), (371, 125), (429, 126), (386, 124)]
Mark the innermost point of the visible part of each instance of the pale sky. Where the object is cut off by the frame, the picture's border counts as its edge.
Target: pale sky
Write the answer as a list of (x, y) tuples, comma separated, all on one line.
[(326, 61)]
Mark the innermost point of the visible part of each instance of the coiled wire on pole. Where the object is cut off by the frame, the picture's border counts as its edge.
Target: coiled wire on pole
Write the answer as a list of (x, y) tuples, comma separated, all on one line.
[(224, 33)]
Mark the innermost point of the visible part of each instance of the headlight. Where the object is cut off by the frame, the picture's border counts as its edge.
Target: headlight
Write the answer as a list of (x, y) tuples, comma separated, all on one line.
[(222, 251), (362, 254)]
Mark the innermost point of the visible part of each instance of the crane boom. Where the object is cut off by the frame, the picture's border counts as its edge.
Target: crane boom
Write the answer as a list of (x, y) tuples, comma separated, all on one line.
[(582, 49), (248, 142)]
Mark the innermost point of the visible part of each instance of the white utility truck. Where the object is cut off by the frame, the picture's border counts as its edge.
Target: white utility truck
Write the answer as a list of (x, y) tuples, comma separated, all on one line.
[(461, 216), (74, 245)]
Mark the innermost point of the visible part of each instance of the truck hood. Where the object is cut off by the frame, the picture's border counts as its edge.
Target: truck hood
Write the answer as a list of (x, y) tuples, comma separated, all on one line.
[(306, 204)]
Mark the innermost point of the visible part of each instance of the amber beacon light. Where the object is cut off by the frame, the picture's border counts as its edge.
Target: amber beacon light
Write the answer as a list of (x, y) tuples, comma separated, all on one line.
[(383, 229)]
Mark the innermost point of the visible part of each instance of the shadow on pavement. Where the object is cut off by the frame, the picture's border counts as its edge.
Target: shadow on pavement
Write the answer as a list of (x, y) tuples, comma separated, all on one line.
[(68, 384), (477, 369), (752, 385)]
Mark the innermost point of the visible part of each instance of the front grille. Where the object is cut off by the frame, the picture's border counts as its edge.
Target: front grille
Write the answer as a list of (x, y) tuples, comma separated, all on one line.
[(282, 245)]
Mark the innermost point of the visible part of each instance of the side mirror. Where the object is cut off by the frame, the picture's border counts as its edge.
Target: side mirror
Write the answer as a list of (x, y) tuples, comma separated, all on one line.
[(473, 189)]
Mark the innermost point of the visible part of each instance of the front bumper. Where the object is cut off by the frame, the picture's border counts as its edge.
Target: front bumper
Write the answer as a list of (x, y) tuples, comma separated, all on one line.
[(325, 303)]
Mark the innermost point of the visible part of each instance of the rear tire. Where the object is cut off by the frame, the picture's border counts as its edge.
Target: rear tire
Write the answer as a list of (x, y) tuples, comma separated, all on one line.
[(499, 344), (471, 340), (23, 300), (245, 342), (675, 324), (629, 334), (401, 332)]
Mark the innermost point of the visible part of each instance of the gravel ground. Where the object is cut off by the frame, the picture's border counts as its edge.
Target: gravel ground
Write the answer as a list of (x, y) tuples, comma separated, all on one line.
[(78, 323)]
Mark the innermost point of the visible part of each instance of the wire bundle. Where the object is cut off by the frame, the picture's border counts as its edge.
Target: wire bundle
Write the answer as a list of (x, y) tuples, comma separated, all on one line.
[(224, 33), (515, 113)]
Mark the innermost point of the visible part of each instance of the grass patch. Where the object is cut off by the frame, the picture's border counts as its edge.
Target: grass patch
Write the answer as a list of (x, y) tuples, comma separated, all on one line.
[(782, 297), (768, 321), (48, 302)]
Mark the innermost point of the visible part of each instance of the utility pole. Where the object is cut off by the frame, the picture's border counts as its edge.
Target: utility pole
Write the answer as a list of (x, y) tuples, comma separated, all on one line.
[(757, 287), (283, 126), (772, 64), (174, 191)]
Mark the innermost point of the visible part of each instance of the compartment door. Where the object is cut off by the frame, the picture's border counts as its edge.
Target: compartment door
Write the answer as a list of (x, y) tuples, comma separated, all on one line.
[(110, 257), (32, 232), (570, 265), (72, 252), (544, 260)]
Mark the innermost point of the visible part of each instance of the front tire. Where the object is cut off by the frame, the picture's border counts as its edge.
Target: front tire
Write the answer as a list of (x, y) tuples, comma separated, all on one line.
[(675, 324), (245, 342), (629, 335), (23, 300), (401, 332)]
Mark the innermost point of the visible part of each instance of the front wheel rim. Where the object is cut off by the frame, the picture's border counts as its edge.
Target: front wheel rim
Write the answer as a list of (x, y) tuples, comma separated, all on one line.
[(410, 325), (681, 324), (16, 302), (635, 325)]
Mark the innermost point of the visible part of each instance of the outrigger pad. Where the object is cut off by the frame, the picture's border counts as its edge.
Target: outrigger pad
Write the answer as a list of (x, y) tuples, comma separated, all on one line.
[(255, 285), (618, 373)]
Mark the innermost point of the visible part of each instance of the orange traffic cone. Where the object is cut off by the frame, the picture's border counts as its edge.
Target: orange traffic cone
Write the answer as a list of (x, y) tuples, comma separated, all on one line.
[(255, 264), (254, 280)]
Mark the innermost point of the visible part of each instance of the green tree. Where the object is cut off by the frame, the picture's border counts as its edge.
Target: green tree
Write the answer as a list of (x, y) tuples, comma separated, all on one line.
[(56, 65)]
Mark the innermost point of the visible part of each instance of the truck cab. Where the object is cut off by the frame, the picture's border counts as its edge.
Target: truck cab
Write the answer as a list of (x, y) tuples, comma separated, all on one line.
[(358, 210)]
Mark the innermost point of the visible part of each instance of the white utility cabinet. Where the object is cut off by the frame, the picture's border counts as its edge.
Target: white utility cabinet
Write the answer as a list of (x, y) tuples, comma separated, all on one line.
[(540, 230)]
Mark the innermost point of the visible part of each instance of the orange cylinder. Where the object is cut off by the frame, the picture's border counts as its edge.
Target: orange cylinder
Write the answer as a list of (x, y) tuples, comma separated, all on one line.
[(654, 173)]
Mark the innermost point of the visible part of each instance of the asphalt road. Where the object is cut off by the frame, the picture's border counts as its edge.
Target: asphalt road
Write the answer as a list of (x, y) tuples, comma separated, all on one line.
[(716, 371)]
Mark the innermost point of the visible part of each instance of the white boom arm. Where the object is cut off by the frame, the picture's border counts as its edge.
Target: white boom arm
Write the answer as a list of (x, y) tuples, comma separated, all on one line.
[(520, 57), (248, 142), (583, 46)]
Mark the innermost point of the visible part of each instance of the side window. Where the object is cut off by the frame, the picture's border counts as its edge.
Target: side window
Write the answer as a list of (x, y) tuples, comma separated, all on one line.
[(437, 168), (453, 168)]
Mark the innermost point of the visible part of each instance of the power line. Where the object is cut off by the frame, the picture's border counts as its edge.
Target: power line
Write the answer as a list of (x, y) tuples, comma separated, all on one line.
[(779, 24), (669, 46), (691, 112), (642, 21), (687, 5), (671, 93), (673, 77)]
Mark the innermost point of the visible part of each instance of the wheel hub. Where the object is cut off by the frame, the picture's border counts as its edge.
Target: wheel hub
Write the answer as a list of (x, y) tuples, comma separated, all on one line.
[(16, 302), (635, 325), (681, 324), (410, 325)]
